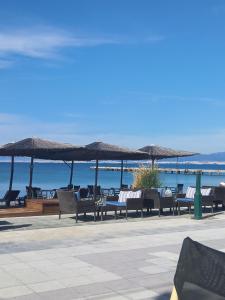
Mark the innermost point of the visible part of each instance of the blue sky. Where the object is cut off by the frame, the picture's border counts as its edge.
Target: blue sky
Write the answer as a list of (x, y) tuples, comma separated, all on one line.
[(126, 72)]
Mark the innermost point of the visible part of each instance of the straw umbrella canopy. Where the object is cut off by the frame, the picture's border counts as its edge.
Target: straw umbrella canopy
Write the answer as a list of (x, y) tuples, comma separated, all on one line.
[(156, 152), (104, 151), (36, 148)]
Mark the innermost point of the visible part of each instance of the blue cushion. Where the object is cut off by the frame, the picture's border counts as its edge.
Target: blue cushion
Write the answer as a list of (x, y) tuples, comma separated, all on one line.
[(185, 200), (115, 203)]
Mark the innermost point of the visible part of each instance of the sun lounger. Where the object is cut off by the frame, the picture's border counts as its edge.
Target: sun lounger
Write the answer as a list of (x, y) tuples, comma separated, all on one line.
[(10, 196)]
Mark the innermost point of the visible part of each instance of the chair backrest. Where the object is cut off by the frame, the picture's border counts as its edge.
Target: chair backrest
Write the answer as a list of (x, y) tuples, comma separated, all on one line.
[(219, 193), (70, 187), (10, 195), (83, 193), (180, 188), (98, 190), (124, 195), (33, 192), (191, 192), (200, 272), (67, 201), (76, 188), (91, 190), (154, 194)]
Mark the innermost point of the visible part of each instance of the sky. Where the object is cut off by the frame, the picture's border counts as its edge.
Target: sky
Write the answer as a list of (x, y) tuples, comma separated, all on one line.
[(126, 72)]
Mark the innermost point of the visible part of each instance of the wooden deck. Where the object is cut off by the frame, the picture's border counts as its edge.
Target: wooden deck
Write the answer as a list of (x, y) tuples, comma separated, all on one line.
[(34, 207)]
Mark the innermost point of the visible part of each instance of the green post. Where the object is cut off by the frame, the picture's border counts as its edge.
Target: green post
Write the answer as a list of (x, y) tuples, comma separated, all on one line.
[(198, 198)]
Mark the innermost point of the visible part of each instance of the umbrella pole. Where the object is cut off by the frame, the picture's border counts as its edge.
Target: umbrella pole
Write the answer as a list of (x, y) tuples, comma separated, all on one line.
[(121, 175), (31, 176), (153, 163), (71, 173), (11, 173), (96, 179)]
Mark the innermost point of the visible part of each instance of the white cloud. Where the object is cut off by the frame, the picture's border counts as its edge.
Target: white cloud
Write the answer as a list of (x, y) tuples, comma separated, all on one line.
[(46, 43)]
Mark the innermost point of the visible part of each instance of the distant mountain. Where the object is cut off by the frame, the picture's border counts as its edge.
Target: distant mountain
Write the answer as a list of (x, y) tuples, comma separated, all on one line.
[(213, 157)]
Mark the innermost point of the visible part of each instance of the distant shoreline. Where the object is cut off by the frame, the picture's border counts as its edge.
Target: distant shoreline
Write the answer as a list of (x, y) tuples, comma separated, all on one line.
[(118, 162)]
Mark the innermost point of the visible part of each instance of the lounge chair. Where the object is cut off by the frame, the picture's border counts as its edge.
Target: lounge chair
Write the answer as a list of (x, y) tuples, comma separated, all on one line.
[(127, 200), (10, 196), (69, 204), (187, 200), (154, 200), (219, 195), (200, 273)]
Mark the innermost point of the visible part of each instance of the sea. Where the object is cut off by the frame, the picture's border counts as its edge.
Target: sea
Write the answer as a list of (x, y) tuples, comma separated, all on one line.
[(50, 175)]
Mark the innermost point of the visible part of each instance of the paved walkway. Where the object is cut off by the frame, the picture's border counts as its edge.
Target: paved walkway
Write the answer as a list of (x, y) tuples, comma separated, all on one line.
[(47, 258)]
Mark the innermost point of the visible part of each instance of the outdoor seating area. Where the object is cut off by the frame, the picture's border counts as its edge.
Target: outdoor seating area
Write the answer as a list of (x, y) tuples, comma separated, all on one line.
[(121, 202)]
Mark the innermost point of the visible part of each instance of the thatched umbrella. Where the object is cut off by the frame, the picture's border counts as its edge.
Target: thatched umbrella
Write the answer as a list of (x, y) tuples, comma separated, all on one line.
[(36, 148), (103, 151), (156, 152)]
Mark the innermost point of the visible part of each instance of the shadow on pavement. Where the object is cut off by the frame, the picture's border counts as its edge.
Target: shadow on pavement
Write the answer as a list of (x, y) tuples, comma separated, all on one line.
[(11, 227), (164, 296), (4, 223)]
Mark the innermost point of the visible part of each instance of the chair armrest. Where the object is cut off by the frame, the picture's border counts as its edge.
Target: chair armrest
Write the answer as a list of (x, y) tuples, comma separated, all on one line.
[(166, 202), (84, 203), (207, 200), (135, 203)]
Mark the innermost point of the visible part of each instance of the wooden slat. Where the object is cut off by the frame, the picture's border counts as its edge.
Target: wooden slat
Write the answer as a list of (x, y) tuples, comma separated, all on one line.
[(34, 207)]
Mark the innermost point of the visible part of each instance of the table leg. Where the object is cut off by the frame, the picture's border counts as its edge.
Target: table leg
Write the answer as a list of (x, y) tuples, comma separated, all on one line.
[(101, 214)]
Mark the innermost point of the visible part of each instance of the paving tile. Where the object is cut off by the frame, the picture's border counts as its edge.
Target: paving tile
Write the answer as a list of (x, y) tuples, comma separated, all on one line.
[(8, 280), (7, 293), (46, 286), (154, 269), (139, 294), (29, 275), (111, 260), (162, 262)]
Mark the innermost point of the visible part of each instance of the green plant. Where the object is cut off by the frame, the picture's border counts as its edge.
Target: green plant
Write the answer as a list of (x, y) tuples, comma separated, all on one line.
[(146, 177)]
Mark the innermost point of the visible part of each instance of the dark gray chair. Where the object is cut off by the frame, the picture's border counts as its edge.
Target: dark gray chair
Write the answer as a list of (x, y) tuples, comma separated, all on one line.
[(219, 195), (153, 200), (69, 204)]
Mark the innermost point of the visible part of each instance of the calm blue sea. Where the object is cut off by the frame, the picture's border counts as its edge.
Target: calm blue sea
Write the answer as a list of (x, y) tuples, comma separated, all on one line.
[(55, 175)]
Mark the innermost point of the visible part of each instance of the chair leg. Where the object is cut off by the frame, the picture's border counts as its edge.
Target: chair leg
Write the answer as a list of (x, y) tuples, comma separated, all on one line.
[(59, 215), (173, 210), (126, 213), (94, 215), (212, 209), (76, 217), (142, 213), (178, 209), (189, 208), (116, 214), (159, 212)]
